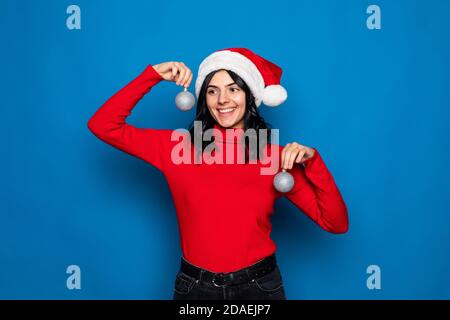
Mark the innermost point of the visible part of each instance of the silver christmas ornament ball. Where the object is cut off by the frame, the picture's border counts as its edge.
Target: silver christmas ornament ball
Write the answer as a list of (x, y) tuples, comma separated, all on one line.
[(283, 182), (185, 100)]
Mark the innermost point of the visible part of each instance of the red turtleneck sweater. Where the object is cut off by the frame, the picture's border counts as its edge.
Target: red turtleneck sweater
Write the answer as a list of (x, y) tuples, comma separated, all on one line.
[(223, 210)]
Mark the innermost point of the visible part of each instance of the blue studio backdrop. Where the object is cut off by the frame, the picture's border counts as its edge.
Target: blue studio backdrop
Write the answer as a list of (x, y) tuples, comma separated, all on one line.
[(374, 101)]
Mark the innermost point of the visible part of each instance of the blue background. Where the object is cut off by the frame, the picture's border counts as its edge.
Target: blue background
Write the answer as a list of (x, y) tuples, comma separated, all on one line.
[(375, 103)]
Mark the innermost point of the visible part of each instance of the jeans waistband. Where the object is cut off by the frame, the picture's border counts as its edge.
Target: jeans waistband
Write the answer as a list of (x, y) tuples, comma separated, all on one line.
[(220, 279)]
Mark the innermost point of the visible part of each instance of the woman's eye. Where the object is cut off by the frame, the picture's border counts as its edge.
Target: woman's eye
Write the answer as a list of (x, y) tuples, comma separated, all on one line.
[(211, 92), (234, 89)]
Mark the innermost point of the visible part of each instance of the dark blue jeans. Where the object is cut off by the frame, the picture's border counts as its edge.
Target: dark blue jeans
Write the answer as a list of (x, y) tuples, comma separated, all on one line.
[(266, 287)]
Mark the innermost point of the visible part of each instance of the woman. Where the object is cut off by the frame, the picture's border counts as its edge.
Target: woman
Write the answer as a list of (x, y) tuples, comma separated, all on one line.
[(224, 207)]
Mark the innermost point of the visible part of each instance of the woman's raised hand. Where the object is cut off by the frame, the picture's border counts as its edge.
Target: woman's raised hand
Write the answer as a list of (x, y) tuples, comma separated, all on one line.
[(175, 71), (295, 153)]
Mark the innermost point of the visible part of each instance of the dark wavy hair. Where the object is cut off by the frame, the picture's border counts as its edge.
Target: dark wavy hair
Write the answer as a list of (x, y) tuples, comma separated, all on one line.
[(252, 119)]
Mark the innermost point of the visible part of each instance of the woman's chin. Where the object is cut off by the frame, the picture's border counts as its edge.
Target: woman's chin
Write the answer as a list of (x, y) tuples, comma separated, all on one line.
[(226, 124)]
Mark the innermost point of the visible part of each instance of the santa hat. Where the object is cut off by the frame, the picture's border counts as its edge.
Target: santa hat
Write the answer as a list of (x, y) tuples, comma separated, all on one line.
[(261, 76)]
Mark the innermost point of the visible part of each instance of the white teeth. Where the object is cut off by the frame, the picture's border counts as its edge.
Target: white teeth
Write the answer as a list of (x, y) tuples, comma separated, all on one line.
[(226, 110)]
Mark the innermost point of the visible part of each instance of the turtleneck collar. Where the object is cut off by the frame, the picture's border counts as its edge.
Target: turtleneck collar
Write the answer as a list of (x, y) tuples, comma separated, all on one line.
[(229, 135)]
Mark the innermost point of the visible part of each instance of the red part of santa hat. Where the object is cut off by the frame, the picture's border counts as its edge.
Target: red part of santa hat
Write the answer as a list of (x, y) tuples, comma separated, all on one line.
[(262, 76)]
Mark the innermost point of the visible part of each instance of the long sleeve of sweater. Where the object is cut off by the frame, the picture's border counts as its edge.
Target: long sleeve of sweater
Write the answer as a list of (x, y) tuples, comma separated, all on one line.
[(317, 195), (109, 121)]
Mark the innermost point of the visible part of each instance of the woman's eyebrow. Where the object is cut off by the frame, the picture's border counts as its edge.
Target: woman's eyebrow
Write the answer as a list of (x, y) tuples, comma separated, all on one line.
[(225, 85)]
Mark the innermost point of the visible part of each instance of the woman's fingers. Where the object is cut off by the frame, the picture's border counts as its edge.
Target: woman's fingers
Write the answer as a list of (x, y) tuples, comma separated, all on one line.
[(186, 77), (283, 156), (299, 157), (174, 70), (181, 75), (301, 154), (292, 157), (289, 153), (292, 153), (188, 82)]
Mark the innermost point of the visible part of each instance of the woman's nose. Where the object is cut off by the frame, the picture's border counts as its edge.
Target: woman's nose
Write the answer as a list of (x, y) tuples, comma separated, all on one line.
[(223, 97)]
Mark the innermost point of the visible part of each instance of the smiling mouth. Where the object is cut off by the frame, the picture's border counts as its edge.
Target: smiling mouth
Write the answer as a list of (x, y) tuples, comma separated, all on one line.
[(226, 110)]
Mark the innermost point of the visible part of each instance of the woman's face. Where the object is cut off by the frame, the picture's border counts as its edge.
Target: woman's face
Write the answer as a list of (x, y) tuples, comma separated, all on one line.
[(225, 101)]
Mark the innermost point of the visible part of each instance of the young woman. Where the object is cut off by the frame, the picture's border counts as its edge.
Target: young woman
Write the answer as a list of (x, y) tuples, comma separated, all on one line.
[(224, 207)]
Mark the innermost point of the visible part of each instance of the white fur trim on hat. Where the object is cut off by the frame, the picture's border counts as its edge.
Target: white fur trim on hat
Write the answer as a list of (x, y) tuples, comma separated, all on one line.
[(237, 63), (274, 95)]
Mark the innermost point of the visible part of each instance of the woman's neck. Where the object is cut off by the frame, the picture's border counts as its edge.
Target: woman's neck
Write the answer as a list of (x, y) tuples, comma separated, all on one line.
[(229, 135)]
